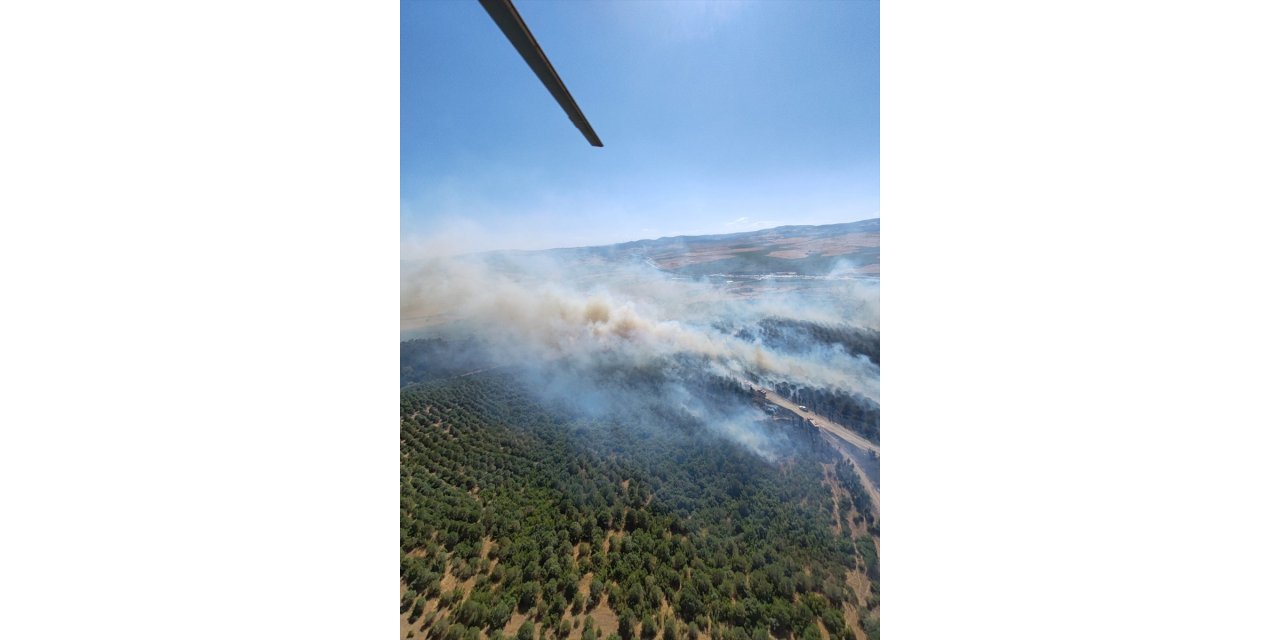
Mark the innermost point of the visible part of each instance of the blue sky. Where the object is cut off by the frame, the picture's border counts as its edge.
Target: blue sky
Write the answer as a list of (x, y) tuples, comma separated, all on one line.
[(715, 116)]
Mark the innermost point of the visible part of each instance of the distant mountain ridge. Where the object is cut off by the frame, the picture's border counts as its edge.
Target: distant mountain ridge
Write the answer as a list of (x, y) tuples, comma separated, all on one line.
[(852, 248), (871, 225)]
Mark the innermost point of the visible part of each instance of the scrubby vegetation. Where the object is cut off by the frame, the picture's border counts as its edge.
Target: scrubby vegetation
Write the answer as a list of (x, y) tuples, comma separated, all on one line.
[(519, 520)]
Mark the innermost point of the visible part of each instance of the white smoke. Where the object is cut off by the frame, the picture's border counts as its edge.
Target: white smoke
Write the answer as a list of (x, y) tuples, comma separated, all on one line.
[(539, 308)]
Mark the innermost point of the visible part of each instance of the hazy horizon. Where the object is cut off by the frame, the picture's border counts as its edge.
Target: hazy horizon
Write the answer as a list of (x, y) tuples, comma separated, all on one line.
[(437, 248), (714, 120)]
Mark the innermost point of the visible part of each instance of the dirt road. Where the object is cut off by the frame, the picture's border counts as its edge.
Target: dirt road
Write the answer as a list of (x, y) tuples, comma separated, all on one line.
[(825, 424), (866, 480), (845, 437)]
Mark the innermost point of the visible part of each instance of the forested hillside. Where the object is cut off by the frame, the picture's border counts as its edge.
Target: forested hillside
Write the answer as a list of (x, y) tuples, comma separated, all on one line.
[(797, 335), (518, 520)]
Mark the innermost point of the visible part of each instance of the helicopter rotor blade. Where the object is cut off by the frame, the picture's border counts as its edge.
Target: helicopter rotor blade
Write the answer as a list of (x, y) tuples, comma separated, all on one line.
[(508, 19)]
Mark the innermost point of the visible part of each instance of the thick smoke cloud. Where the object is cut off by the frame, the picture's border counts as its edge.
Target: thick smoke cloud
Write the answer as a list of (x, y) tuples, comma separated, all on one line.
[(565, 321)]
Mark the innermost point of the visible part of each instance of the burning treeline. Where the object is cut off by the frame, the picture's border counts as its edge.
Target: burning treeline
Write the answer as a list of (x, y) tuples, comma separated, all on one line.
[(628, 337)]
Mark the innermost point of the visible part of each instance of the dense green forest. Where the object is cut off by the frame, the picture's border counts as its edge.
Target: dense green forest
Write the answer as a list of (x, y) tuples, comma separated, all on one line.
[(520, 519)]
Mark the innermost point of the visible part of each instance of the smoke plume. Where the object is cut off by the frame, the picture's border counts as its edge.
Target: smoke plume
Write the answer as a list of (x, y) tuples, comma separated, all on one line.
[(567, 320)]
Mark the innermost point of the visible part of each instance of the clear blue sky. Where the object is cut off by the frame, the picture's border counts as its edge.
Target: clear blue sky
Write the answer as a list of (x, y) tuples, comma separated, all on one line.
[(715, 116)]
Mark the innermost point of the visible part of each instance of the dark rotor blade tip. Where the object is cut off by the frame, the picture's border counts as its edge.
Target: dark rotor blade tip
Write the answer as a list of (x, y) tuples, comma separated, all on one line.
[(512, 25)]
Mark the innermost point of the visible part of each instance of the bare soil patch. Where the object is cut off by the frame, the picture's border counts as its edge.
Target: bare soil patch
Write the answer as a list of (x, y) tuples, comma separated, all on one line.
[(606, 621)]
